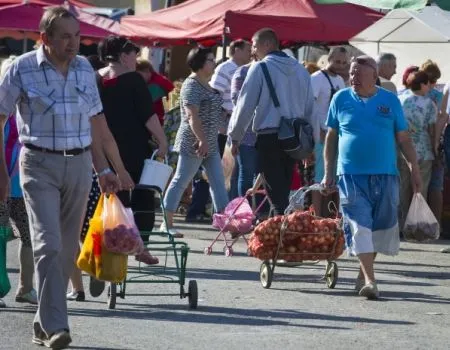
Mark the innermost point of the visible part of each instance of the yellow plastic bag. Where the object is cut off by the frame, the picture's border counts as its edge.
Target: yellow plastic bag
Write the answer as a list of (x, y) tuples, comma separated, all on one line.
[(94, 258)]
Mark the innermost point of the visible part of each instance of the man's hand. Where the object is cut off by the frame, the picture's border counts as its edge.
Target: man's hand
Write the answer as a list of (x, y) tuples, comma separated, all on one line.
[(126, 182), (109, 183), (329, 185), (416, 180), (234, 149), (4, 184)]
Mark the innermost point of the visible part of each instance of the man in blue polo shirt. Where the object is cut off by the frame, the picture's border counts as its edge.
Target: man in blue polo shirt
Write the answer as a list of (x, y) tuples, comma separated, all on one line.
[(365, 123)]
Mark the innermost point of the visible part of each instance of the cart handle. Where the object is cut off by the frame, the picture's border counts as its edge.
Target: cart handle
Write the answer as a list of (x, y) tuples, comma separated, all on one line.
[(297, 200)]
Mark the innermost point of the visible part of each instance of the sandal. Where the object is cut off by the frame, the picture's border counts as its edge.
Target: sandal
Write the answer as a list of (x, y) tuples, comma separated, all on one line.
[(147, 258), (171, 231)]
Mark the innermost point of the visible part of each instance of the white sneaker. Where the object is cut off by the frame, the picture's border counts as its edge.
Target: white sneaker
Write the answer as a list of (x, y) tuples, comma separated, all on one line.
[(370, 291), (30, 297), (445, 250)]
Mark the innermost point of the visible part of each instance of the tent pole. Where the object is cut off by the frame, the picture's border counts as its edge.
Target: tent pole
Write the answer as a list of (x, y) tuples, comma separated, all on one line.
[(224, 43), (25, 42)]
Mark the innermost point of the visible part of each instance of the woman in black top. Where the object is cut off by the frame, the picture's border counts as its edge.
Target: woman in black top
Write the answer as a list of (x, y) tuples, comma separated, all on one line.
[(127, 106)]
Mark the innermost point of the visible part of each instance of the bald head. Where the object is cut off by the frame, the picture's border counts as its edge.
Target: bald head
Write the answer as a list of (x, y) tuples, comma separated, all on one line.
[(338, 60), (387, 65), (264, 41)]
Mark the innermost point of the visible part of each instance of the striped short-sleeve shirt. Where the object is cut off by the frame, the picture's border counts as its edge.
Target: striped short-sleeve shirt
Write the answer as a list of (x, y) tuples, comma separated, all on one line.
[(221, 81), (52, 111)]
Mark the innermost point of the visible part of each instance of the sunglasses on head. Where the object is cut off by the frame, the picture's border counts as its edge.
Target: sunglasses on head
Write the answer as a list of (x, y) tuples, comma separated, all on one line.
[(364, 62)]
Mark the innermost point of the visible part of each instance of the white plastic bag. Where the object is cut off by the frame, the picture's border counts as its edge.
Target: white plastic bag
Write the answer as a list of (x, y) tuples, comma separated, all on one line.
[(121, 234), (228, 163), (421, 224)]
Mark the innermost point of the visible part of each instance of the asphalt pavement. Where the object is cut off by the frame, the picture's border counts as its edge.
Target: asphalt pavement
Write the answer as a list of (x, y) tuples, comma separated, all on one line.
[(234, 311)]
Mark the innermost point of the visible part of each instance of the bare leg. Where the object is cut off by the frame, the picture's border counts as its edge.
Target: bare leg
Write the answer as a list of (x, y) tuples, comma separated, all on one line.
[(76, 281), (169, 216), (366, 266), (360, 272)]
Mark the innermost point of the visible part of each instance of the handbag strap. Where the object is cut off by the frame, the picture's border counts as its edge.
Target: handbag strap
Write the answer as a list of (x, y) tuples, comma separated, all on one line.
[(328, 78), (273, 94)]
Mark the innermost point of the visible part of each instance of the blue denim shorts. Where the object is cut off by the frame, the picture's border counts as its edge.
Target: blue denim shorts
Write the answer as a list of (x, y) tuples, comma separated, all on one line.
[(369, 204)]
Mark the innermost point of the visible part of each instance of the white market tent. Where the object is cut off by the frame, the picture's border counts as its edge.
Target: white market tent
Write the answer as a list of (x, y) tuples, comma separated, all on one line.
[(412, 36)]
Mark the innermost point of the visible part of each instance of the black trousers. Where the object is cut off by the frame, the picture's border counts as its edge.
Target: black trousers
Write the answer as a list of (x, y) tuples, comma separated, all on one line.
[(277, 168)]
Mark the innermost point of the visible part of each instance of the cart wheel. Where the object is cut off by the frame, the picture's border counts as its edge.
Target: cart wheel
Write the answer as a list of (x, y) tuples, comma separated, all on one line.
[(265, 275), (229, 251), (332, 273), (112, 295), (193, 294), (207, 251)]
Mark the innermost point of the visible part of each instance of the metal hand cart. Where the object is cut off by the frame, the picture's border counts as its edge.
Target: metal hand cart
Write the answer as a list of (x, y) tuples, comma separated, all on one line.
[(267, 268), (171, 249)]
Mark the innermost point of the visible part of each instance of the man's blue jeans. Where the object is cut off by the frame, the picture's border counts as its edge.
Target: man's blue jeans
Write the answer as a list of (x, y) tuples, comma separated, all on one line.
[(248, 168), (447, 147)]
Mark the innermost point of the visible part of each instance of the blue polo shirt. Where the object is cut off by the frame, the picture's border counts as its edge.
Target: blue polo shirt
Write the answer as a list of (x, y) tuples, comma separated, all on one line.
[(367, 130)]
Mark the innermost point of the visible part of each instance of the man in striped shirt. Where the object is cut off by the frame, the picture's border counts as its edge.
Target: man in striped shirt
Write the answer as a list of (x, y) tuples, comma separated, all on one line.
[(54, 95), (240, 54)]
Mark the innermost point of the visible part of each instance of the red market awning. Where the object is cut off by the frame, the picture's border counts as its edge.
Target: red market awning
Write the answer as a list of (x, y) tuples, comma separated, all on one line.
[(22, 21), (206, 20), (44, 2)]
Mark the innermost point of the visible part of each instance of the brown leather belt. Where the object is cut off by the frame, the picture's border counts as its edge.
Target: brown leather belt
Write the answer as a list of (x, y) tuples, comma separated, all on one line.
[(65, 153)]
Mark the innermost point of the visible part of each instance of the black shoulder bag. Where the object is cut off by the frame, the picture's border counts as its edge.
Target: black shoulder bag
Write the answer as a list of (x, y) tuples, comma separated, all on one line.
[(295, 135), (333, 89)]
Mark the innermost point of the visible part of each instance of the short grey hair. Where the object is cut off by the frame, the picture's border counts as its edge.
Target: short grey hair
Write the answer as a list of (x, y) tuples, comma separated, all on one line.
[(337, 49), (47, 23), (385, 57)]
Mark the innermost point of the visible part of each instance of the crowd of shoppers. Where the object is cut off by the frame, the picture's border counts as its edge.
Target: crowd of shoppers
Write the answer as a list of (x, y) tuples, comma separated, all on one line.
[(74, 128)]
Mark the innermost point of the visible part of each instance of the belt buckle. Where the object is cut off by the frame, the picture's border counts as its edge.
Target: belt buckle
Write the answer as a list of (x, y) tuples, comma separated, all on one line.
[(67, 154)]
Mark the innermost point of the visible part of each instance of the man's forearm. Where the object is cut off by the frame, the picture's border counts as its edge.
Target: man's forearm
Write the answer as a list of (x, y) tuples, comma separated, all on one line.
[(330, 152), (99, 159), (409, 152)]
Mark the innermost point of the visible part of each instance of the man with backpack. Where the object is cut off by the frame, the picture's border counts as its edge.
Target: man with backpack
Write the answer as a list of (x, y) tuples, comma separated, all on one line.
[(325, 84), (290, 87)]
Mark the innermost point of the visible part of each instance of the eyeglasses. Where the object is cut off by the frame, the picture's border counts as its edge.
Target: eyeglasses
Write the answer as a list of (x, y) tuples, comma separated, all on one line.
[(211, 60)]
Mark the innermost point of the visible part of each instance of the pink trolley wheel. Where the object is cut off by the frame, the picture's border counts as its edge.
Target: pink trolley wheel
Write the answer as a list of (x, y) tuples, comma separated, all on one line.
[(207, 251), (229, 251)]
